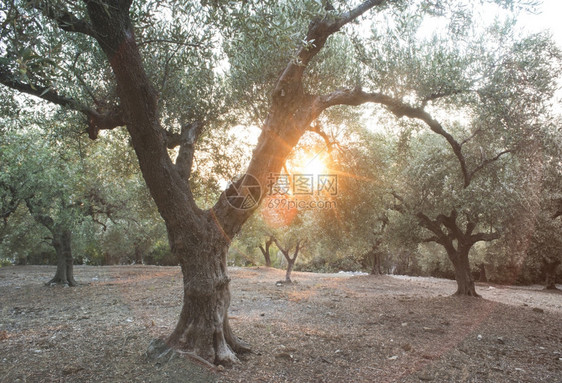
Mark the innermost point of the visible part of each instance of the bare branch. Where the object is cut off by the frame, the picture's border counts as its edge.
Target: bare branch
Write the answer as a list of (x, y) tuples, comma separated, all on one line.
[(316, 128), (474, 134), (488, 161)]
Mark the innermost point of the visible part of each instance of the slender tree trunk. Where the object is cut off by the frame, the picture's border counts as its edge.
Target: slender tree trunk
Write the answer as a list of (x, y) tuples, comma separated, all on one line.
[(203, 326), (376, 270), (551, 275), (267, 259), (463, 275), (62, 241), (483, 277), (290, 264), (265, 252)]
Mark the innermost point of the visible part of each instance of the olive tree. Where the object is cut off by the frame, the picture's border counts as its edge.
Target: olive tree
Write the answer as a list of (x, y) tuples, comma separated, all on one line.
[(153, 68)]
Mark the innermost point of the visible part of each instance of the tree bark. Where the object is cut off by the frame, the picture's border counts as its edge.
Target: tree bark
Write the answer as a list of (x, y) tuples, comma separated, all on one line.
[(290, 264), (203, 326), (265, 251), (62, 241), (376, 264), (463, 274)]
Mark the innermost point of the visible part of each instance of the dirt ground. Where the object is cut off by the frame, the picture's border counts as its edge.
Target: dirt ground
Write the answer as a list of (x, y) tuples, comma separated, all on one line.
[(325, 328)]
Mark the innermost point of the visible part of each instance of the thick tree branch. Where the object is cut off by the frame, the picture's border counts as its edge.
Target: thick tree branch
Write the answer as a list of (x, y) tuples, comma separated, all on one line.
[(484, 237), (42, 219), (438, 95), (284, 250), (290, 82), (450, 222), (45, 93), (431, 225), (97, 120), (186, 141), (103, 120), (397, 107)]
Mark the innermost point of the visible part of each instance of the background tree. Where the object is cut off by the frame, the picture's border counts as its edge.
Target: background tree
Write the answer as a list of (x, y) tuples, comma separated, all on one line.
[(266, 250)]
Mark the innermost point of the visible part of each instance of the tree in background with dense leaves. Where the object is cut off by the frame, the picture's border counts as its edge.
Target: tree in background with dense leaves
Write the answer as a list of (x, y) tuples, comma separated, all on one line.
[(43, 174), (545, 247), (151, 67), (490, 104)]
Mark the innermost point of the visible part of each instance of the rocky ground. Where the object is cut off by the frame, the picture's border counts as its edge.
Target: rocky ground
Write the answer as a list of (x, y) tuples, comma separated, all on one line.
[(324, 328)]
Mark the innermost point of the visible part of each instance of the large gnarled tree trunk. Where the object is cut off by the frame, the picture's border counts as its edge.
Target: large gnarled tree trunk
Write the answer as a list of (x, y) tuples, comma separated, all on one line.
[(457, 244), (62, 242), (463, 273)]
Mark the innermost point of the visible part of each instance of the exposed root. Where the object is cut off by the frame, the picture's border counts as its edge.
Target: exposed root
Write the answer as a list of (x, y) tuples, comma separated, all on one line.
[(59, 281), (159, 350), (235, 343), (469, 293), (198, 359)]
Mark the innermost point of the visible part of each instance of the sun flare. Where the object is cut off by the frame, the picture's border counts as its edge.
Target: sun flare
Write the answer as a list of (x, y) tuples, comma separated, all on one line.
[(314, 165)]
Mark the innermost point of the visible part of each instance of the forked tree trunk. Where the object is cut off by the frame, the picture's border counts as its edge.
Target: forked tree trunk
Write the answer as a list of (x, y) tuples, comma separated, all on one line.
[(290, 264), (457, 252), (203, 326), (290, 260), (463, 274), (200, 239), (62, 241)]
